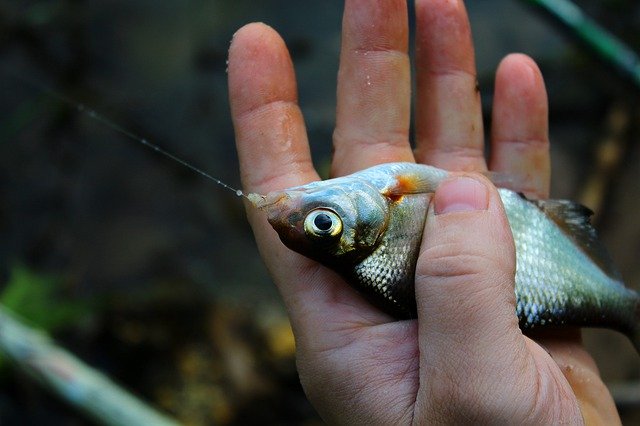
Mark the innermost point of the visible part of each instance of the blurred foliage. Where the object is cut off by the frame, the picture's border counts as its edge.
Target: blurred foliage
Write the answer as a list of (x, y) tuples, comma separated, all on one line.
[(37, 299)]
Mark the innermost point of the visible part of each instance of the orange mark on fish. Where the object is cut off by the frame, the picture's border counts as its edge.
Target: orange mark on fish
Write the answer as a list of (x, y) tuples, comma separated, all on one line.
[(405, 184)]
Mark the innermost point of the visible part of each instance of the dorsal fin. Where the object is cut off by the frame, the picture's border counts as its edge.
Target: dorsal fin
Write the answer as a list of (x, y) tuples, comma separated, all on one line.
[(574, 220)]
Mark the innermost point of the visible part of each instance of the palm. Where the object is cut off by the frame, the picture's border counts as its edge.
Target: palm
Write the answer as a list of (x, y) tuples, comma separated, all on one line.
[(350, 355)]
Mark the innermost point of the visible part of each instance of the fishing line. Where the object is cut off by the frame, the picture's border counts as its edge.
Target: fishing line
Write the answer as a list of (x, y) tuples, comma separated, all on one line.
[(102, 119)]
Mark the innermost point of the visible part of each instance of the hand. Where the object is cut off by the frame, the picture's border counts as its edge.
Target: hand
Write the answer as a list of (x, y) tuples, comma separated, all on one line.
[(464, 359)]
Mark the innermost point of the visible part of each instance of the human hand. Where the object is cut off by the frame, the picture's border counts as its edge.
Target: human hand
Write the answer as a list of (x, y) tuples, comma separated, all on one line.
[(464, 359)]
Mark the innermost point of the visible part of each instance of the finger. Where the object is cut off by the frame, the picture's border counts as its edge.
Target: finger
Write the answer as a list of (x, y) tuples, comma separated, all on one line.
[(470, 345), (466, 271), (449, 131), (274, 154), (520, 128), (270, 132), (373, 99), (520, 149), (582, 374)]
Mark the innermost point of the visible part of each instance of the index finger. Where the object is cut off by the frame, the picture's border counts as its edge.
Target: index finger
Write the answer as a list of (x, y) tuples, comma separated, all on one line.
[(274, 154), (270, 133)]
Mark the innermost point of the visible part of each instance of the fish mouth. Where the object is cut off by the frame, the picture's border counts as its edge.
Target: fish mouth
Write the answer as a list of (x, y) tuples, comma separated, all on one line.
[(279, 205), (285, 214), (262, 202)]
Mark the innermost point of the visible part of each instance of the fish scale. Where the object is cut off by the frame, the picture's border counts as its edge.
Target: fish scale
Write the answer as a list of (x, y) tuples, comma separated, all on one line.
[(556, 283), (389, 270)]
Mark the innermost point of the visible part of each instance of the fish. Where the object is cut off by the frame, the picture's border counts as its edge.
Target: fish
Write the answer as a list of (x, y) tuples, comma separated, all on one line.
[(368, 227)]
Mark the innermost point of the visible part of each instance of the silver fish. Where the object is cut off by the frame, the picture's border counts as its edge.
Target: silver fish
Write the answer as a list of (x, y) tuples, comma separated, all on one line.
[(368, 227)]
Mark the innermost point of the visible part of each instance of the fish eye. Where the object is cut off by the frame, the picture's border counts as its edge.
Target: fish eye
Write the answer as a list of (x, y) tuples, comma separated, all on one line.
[(323, 223)]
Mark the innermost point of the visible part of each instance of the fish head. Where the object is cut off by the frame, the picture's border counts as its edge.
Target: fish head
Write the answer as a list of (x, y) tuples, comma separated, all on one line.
[(336, 222)]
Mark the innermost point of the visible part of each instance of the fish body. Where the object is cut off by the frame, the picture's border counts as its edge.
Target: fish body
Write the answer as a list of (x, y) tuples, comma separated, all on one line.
[(368, 227)]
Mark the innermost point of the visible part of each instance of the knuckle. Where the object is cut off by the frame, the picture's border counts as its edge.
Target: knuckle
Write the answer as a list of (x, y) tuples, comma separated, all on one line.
[(450, 260)]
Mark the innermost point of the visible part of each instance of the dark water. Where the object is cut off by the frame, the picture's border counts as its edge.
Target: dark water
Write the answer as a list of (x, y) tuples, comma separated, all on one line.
[(129, 229)]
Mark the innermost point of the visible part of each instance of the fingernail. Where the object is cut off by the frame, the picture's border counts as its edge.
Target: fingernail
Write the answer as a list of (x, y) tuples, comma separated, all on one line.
[(461, 194)]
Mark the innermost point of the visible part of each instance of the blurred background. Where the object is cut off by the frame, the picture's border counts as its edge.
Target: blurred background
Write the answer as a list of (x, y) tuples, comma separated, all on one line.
[(149, 272)]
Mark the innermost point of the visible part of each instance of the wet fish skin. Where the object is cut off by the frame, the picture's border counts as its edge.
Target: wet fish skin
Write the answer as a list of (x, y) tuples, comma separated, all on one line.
[(563, 275), (557, 283)]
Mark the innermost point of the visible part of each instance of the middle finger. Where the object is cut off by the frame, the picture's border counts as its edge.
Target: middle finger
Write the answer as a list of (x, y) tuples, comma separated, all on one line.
[(449, 131), (374, 83)]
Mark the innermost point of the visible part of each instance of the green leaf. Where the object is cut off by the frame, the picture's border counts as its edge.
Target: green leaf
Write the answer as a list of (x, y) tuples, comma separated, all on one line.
[(36, 298)]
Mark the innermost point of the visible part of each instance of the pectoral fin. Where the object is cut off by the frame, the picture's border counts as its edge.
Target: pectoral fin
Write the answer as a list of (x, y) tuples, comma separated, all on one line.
[(411, 183), (427, 179)]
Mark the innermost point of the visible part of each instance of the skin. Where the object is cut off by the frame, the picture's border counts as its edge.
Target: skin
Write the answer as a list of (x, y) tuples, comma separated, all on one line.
[(464, 359)]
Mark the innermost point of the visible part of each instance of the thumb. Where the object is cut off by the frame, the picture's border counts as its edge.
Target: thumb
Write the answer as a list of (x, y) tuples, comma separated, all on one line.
[(465, 275), (469, 338)]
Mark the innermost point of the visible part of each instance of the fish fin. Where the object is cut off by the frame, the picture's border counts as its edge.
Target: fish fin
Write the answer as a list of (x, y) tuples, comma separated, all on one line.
[(575, 220), (409, 183), (415, 183)]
